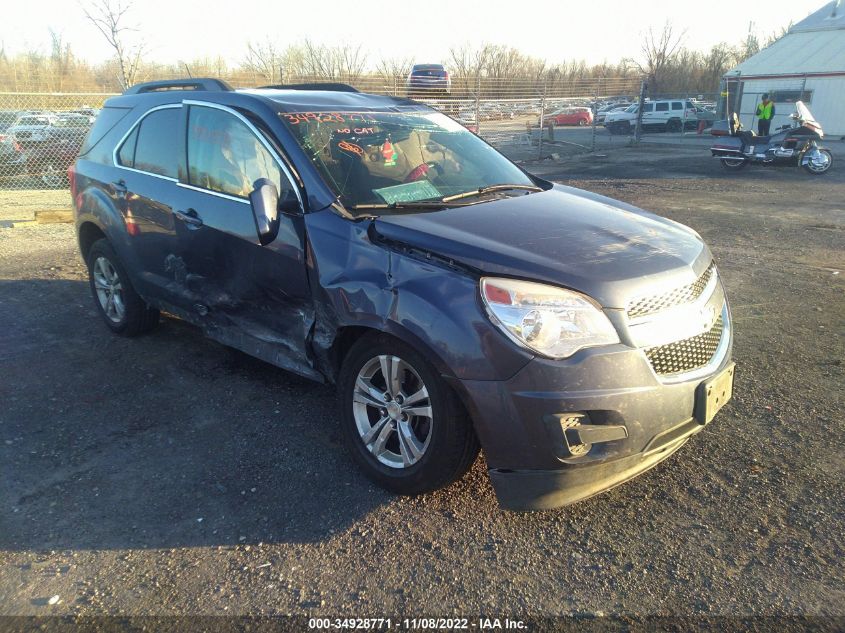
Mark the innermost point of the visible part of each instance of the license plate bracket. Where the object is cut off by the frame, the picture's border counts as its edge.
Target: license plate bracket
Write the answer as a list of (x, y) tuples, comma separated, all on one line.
[(713, 394)]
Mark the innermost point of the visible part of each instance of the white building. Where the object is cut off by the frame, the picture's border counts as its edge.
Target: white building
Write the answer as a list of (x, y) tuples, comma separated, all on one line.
[(807, 64)]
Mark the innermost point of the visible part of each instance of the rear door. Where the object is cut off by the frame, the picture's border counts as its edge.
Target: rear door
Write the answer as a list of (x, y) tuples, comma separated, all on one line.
[(249, 296), (147, 159), (661, 112)]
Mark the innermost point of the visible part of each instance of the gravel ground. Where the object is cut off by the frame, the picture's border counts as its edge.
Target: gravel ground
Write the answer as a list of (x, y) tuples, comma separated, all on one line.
[(170, 475)]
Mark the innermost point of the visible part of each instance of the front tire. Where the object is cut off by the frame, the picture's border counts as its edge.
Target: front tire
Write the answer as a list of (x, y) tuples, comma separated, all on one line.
[(820, 165), (402, 423), (122, 309)]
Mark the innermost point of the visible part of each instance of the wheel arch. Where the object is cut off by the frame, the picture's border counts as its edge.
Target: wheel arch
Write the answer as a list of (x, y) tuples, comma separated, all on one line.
[(348, 335), (88, 233)]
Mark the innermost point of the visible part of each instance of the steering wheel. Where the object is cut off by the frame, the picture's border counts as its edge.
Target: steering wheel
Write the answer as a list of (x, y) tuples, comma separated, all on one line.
[(422, 170)]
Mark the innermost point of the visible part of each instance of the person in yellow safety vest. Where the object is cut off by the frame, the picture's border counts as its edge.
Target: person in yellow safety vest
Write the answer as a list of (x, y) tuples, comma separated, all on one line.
[(765, 112)]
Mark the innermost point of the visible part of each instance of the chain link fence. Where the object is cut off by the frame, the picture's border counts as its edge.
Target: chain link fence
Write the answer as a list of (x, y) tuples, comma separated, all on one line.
[(527, 119)]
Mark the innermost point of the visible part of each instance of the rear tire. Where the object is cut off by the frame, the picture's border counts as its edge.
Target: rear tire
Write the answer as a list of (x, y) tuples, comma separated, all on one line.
[(674, 126), (430, 446), (733, 164), (122, 309)]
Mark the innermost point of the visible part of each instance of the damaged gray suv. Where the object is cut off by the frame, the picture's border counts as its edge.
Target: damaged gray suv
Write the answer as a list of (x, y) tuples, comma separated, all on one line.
[(456, 301)]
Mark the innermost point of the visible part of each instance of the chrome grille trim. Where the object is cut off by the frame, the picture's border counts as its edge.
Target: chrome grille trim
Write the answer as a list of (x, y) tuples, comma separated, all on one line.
[(642, 306), (696, 356)]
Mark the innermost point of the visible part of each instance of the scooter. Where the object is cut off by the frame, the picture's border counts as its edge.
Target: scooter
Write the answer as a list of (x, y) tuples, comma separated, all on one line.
[(796, 144)]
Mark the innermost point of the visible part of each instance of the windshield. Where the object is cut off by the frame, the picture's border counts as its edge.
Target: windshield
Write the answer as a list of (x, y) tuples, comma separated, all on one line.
[(33, 120), (804, 111), (632, 108), (398, 157), (71, 122)]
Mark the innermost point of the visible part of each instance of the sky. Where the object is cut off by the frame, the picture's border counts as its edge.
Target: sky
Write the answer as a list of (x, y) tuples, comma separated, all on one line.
[(556, 31)]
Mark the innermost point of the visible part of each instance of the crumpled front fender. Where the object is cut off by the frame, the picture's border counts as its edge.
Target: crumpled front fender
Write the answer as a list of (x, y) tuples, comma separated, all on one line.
[(360, 280)]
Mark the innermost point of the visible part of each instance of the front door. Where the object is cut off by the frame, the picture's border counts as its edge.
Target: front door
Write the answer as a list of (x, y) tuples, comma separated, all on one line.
[(252, 297)]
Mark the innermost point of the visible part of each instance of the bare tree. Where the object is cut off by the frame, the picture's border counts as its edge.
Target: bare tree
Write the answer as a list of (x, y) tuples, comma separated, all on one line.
[(109, 18), (61, 59), (265, 60), (318, 61), (658, 52), (393, 70)]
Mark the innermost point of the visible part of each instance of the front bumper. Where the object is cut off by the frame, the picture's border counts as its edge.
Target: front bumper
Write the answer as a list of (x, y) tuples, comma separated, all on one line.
[(529, 450)]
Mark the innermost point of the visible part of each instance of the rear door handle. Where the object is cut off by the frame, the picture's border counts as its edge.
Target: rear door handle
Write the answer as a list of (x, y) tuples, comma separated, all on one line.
[(119, 187), (189, 217)]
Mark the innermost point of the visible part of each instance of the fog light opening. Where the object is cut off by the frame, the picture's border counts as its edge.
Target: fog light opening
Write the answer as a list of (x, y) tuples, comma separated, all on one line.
[(572, 422)]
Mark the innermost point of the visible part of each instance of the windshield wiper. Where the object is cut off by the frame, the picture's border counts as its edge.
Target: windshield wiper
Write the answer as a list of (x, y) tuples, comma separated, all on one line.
[(483, 190), (424, 204)]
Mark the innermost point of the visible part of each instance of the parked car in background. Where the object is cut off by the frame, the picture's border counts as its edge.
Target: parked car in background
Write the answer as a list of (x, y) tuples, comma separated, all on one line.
[(31, 128), (7, 119), (12, 157), (72, 127), (603, 112), (49, 160), (429, 80), (569, 116), (90, 113), (670, 115)]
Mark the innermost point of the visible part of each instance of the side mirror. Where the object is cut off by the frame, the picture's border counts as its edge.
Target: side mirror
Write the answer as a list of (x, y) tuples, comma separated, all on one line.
[(264, 200)]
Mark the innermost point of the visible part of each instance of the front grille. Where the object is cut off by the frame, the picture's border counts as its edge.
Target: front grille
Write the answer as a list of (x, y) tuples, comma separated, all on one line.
[(688, 354), (677, 296)]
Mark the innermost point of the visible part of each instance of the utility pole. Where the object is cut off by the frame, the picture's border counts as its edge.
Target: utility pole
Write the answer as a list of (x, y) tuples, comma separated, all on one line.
[(639, 130)]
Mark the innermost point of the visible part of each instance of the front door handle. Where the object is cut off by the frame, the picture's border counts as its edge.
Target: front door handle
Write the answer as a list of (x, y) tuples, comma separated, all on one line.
[(189, 217)]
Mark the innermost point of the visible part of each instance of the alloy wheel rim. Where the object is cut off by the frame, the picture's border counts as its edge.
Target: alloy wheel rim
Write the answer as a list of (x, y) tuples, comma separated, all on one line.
[(109, 290), (820, 163), (392, 411)]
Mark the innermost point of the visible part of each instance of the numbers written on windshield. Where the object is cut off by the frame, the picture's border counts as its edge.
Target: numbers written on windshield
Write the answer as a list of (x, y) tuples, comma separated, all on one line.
[(295, 118)]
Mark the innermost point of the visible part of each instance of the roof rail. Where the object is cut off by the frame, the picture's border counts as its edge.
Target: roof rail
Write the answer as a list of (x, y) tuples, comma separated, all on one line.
[(334, 87), (200, 83)]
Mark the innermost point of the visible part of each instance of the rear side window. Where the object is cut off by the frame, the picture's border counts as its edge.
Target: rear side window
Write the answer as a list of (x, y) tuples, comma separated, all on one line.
[(126, 155), (225, 156), (677, 105), (105, 121), (157, 145), (662, 107)]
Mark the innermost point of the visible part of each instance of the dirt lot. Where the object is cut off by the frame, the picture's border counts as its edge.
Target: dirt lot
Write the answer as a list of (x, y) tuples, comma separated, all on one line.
[(169, 475)]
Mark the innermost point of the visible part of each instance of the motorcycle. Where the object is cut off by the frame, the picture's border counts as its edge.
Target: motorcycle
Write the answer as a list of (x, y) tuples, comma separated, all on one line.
[(796, 144)]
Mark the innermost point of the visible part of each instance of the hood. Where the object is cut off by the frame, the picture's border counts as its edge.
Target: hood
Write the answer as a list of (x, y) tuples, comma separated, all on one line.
[(621, 116), (565, 236)]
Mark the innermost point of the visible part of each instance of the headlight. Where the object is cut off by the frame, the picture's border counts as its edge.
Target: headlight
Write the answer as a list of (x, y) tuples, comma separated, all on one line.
[(551, 321)]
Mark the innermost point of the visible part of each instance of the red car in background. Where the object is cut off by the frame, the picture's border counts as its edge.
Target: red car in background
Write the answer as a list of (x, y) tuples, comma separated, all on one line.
[(570, 116)]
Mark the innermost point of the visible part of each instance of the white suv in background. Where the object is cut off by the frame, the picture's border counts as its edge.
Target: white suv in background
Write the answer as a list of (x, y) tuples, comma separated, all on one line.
[(672, 115)]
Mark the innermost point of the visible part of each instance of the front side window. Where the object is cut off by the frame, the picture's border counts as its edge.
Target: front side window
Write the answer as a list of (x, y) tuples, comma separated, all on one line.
[(398, 157), (648, 107), (225, 155), (157, 145), (677, 105)]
